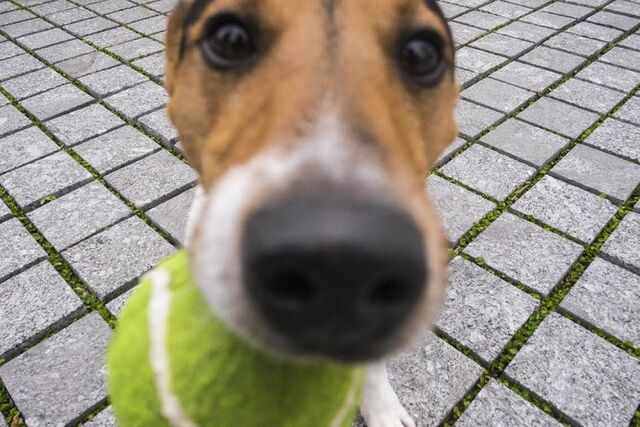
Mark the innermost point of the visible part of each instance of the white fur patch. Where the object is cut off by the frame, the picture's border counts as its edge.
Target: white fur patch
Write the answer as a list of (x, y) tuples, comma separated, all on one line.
[(159, 306)]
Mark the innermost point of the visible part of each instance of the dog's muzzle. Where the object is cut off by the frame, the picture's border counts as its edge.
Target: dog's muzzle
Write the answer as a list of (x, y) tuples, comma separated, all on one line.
[(337, 277)]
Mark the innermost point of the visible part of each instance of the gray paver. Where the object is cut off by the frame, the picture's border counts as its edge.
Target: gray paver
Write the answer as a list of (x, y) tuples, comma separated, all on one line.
[(501, 44), (451, 149), (49, 299), (525, 252), (526, 31), (588, 95), (106, 418), (139, 100), (60, 379), (623, 57), (136, 48), (107, 82), (116, 305), (589, 29), (11, 119), (19, 249), (464, 33), (599, 171), (496, 94), (113, 36), (172, 215), (87, 64), (152, 178), (431, 379), (559, 117), (22, 28), (575, 44), (44, 177), (488, 171), (22, 87), (56, 101), (117, 256), (624, 243), (617, 137), (62, 51), (76, 215), (152, 64), (45, 38), (526, 76), (610, 75), (159, 124), (630, 111), (608, 297), (567, 9), (568, 208), (496, 405), (5, 212), (584, 376), (473, 119), (18, 65), (90, 26), (83, 124), (522, 140), (495, 308), (477, 60), (616, 20), (23, 147), (116, 148), (552, 59)]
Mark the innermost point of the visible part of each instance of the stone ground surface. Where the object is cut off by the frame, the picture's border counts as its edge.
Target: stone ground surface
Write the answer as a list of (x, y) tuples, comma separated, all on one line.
[(540, 196)]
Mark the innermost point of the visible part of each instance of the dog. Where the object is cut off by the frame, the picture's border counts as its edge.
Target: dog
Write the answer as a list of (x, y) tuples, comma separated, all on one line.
[(312, 126)]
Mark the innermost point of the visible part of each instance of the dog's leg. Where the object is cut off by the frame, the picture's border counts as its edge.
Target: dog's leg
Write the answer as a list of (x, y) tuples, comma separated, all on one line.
[(380, 405), (194, 215)]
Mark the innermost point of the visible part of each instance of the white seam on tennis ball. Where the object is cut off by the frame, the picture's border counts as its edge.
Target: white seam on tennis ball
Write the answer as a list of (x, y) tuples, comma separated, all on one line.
[(347, 405), (159, 306)]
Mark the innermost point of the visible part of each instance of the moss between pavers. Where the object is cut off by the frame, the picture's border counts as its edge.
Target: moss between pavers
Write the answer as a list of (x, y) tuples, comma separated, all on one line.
[(8, 409)]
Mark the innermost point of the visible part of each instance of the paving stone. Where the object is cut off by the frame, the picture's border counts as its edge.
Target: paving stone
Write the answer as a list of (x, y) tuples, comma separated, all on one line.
[(624, 243), (23, 147), (22, 28), (526, 76), (588, 95), (632, 42), (18, 65), (152, 25), (451, 148), (431, 379), (615, 20), (526, 31), (574, 43), (552, 59), (496, 405), (496, 94), (488, 171), (48, 8), (5, 213), (481, 311), (107, 82), (482, 19), (79, 214), (159, 124), (529, 143), (477, 60), (473, 119), (117, 305), (59, 380), (83, 124), (152, 178), (610, 75), (71, 15), (573, 210), (23, 86), (464, 76), (501, 44), (61, 51), (452, 10), (172, 215), (599, 171), (161, 37), (508, 10), (623, 57), (9, 49), (559, 117), (131, 15), (457, 207), (608, 297), (136, 48), (56, 101), (139, 100), (90, 26), (105, 418), (162, 6), (47, 176), (525, 252), (595, 31), (87, 64), (581, 374), (617, 137), (117, 256), (152, 64), (630, 111), (624, 6), (33, 302), (464, 33), (45, 38), (114, 149), (11, 119), (109, 6), (567, 9), (15, 16), (547, 19), (17, 247), (113, 36)]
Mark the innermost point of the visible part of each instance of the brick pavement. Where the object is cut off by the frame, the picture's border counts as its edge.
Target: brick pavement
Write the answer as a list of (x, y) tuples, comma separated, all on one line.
[(539, 194)]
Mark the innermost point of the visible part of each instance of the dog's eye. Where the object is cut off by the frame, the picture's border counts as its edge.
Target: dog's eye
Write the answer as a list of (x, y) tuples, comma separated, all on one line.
[(421, 58), (229, 42)]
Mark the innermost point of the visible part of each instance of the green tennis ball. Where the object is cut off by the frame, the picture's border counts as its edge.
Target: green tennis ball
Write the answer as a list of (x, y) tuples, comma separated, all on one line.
[(172, 362)]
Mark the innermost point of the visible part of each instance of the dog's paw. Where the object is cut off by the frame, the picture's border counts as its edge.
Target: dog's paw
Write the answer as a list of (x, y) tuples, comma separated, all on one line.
[(389, 417)]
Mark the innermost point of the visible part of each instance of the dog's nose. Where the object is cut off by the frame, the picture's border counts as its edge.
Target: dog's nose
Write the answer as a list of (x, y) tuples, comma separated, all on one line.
[(336, 277)]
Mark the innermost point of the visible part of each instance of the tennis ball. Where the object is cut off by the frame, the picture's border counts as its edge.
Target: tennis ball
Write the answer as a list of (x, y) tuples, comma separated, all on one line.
[(172, 362)]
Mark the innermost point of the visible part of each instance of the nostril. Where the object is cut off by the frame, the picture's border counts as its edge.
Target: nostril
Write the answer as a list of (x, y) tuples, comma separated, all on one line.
[(388, 293), (290, 289)]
